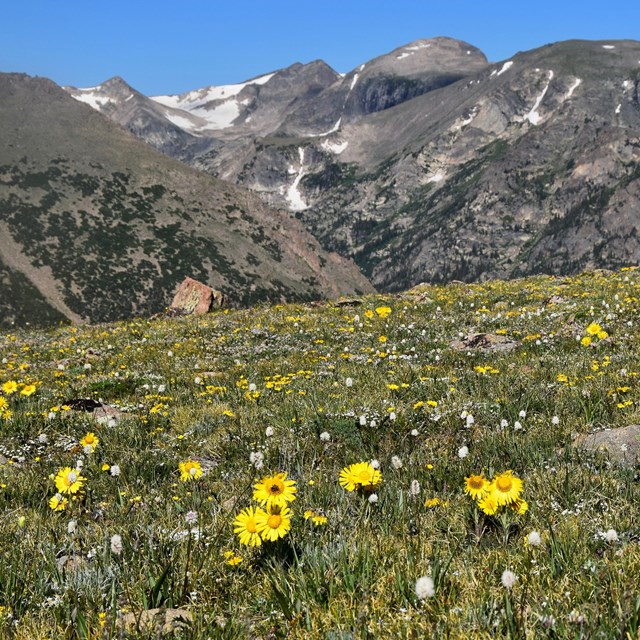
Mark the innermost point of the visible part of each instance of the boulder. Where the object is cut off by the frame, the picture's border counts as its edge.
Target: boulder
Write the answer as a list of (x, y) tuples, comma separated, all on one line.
[(156, 623), (622, 445), (193, 297), (484, 342)]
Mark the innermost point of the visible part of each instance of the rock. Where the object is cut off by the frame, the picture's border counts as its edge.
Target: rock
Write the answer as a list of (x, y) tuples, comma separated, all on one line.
[(193, 297), (102, 413), (157, 621), (484, 342), (348, 302), (622, 445)]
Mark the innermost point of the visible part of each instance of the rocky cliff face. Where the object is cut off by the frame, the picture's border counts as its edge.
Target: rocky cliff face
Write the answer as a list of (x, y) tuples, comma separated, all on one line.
[(429, 164)]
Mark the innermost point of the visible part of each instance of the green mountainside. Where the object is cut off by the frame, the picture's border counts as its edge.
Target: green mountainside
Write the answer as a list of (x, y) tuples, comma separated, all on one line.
[(96, 225)]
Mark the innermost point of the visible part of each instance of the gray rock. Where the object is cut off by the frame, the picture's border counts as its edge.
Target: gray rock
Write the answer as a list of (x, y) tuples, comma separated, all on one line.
[(622, 445), (484, 342)]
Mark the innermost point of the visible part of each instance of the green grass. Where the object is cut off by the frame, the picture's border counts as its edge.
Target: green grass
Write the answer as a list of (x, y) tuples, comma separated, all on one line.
[(186, 391)]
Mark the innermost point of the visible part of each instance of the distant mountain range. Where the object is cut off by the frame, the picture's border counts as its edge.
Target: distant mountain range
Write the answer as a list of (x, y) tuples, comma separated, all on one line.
[(96, 225), (427, 163)]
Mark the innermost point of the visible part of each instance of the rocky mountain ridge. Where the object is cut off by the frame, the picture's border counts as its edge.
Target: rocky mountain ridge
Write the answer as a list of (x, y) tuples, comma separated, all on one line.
[(430, 164), (96, 225)]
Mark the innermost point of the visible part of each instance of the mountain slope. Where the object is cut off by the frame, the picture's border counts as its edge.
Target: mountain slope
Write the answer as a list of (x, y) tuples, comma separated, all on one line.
[(429, 164), (530, 166), (97, 225)]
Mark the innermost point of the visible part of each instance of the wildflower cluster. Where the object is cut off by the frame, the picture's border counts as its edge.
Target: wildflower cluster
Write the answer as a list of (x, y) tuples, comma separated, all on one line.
[(593, 331), (504, 490), (255, 525)]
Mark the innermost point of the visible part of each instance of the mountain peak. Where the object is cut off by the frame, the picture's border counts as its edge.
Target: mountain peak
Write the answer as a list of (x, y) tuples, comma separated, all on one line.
[(439, 54)]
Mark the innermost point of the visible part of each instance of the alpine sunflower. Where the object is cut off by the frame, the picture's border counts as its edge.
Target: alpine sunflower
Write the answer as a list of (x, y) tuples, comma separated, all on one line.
[(189, 470), (360, 475), (69, 480), (246, 526), (506, 488), (275, 491), (58, 502), (90, 440), (274, 523), (477, 486), (316, 516), (488, 504)]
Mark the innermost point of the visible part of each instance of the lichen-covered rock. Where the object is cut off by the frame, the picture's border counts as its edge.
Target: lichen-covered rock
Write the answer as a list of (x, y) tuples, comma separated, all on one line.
[(622, 445), (157, 621), (193, 297), (484, 342)]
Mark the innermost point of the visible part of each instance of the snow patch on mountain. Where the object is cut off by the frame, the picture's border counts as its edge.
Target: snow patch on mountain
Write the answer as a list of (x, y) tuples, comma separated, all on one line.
[(93, 98), (572, 88), (220, 117), (199, 97), (505, 67), (533, 116), (334, 147), (294, 197), (182, 122)]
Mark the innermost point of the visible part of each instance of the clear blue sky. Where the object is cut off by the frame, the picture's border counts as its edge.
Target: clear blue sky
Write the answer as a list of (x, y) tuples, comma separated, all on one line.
[(169, 47)]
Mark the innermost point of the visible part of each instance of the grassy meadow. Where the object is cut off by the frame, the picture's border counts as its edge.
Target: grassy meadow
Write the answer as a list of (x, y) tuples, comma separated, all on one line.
[(397, 517)]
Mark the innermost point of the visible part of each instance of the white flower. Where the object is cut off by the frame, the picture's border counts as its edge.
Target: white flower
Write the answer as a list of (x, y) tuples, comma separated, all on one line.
[(116, 544), (72, 525), (611, 535), (170, 354), (363, 421), (252, 387), (257, 459), (373, 423), (191, 517), (534, 539), (414, 432), (375, 464), (392, 416), (555, 420), (43, 438), (325, 436), (373, 498), (504, 423), (87, 366), (415, 488), (349, 382), (425, 588), (396, 463), (87, 449), (517, 426), (463, 452), (508, 579), (523, 414), (161, 388), (114, 470), (197, 380), (463, 415), (268, 432)]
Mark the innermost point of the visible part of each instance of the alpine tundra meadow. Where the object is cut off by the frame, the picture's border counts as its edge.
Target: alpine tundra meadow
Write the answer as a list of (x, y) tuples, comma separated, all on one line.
[(389, 466)]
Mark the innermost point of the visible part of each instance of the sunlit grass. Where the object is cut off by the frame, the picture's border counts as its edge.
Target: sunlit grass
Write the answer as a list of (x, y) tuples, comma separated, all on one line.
[(379, 424)]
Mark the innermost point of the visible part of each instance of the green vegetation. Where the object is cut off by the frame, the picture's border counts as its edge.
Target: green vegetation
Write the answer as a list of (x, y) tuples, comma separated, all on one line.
[(203, 409)]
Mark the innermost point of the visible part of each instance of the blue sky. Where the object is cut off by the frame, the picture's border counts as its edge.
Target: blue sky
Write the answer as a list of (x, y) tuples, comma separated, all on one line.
[(170, 47)]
